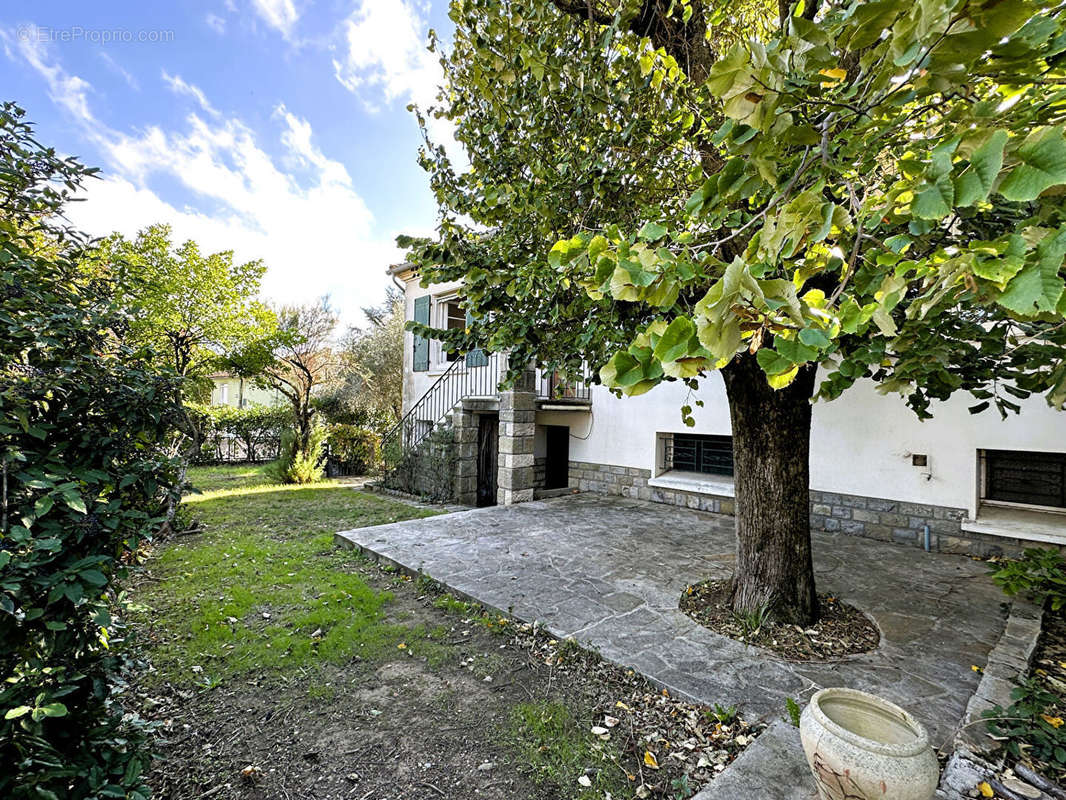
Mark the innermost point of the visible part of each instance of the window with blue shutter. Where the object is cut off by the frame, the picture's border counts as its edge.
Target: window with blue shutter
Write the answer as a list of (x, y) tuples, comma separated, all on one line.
[(478, 357), (421, 346)]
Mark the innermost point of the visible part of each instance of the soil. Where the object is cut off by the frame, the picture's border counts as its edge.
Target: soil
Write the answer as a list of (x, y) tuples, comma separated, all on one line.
[(841, 630), (409, 728)]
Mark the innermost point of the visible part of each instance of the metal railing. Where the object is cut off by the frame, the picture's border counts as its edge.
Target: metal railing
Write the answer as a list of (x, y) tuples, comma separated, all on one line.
[(477, 376), (557, 386)]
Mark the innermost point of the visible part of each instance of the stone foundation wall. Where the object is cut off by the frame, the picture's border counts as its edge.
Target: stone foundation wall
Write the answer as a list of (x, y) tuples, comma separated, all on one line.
[(873, 518), (429, 470)]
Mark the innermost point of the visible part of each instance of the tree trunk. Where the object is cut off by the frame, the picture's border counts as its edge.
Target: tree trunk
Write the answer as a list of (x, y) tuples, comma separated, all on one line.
[(771, 445)]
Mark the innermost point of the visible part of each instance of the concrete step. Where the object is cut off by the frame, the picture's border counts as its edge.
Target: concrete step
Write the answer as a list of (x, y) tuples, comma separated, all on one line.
[(773, 767)]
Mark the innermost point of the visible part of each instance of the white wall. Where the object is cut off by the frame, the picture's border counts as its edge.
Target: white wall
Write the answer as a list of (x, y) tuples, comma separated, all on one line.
[(861, 443)]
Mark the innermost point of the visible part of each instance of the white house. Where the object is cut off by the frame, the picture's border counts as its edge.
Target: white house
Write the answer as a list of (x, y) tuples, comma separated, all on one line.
[(232, 390), (959, 482)]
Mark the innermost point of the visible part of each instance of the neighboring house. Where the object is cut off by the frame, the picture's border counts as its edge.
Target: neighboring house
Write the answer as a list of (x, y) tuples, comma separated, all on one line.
[(231, 390), (959, 482)]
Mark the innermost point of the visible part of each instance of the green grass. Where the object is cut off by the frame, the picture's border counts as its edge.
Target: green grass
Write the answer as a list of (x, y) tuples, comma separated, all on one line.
[(265, 589), (211, 479), (560, 749)]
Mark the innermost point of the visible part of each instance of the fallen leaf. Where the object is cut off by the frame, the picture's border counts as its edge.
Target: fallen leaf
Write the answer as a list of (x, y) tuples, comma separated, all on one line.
[(650, 760), (610, 721), (598, 730), (1054, 722), (584, 781), (401, 646), (985, 789)]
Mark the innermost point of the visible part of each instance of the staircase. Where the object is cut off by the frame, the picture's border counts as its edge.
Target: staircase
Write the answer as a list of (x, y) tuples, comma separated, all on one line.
[(476, 375)]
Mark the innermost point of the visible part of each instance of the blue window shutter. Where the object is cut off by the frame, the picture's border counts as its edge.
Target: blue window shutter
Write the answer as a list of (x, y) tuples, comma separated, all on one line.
[(421, 348), (475, 358)]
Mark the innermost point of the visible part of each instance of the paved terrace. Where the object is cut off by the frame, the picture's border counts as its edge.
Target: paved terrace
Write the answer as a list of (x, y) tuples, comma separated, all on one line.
[(609, 571)]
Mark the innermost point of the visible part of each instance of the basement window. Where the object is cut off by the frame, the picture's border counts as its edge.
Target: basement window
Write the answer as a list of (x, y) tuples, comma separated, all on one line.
[(1024, 478), (690, 452)]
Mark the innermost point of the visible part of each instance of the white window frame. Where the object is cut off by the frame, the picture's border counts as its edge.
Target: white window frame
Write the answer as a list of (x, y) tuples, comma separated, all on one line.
[(438, 314)]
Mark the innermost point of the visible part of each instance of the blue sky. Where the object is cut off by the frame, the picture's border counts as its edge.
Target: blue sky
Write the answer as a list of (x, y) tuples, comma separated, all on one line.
[(275, 128)]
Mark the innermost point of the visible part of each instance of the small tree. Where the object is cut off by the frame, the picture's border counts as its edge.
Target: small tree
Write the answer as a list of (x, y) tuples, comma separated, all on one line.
[(298, 360), (370, 373), (869, 188)]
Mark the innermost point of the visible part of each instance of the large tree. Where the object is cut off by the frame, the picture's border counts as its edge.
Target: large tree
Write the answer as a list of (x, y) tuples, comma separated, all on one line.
[(797, 196), (191, 307)]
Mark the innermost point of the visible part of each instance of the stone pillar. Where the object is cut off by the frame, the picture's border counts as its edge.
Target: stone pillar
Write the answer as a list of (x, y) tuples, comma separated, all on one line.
[(464, 426), (518, 408)]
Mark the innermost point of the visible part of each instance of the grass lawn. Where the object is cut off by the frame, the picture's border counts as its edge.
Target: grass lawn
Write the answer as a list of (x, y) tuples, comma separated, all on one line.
[(263, 588), (279, 666)]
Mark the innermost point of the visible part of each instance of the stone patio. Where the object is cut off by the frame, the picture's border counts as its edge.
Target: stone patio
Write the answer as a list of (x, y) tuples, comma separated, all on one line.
[(609, 571)]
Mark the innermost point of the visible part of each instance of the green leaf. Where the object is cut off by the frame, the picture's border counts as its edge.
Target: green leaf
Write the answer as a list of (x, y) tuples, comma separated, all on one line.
[(936, 200), (18, 711), (43, 505), (53, 710), (975, 182), (772, 363), (75, 502), (1043, 165), (652, 232), (676, 341), (93, 576), (813, 337), (1037, 288)]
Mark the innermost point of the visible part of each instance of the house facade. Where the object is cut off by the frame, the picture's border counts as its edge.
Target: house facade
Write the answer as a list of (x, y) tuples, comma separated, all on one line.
[(957, 483), (232, 390)]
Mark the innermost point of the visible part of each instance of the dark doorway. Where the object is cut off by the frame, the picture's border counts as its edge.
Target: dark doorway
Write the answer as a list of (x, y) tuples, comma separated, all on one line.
[(557, 457), (488, 445)]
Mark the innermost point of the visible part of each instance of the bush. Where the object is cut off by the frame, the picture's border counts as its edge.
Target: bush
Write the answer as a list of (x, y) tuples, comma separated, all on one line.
[(87, 426), (1029, 729), (232, 434), (1040, 573), (353, 450), (295, 465)]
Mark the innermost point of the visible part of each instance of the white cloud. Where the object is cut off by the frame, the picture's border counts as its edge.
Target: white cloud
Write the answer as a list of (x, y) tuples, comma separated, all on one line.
[(385, 52), (179, 86), (68, 91), (310, 226), (215, 23), (279, 14), (120, 70)]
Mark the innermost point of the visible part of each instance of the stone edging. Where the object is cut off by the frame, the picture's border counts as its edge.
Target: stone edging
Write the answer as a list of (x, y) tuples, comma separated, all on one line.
[(975, 755), (410, 499)]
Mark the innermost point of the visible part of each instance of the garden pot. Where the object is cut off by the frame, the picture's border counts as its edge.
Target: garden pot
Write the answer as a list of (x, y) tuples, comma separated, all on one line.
[(861, 747)]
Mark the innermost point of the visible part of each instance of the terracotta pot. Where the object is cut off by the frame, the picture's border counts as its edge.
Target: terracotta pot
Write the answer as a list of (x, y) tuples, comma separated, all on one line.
[(861, 747)]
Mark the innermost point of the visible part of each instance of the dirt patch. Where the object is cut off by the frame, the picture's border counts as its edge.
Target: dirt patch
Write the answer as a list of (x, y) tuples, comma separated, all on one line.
[(441, 718), (841, 630)]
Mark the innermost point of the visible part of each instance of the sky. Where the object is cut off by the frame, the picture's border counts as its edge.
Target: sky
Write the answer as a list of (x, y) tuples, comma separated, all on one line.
[(274, 128)]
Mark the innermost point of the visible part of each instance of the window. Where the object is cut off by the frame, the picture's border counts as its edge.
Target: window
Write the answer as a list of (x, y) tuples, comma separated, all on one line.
[(712, 455), (223, 394), (452, 316), (1026, 478)]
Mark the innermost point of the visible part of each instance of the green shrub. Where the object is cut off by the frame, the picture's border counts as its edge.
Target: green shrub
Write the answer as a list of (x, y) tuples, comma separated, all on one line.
[(248, 434), (1040, 573), (1030, 728), (299, 465), (87, 426), (354, 450)]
